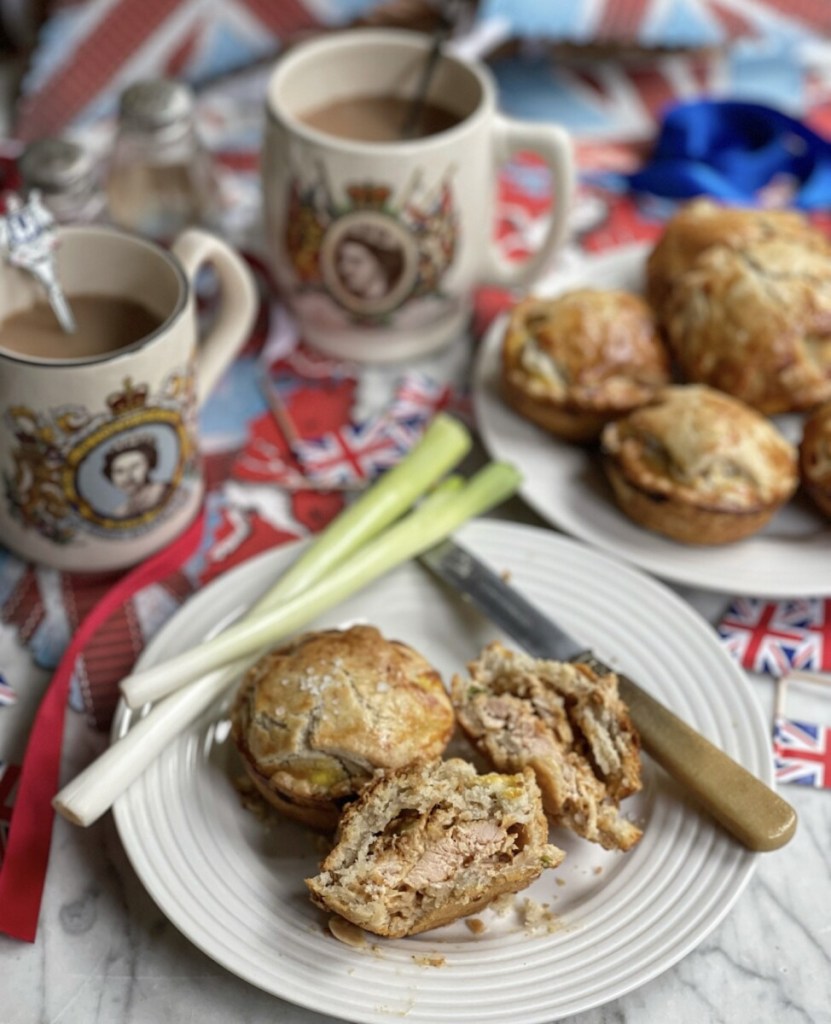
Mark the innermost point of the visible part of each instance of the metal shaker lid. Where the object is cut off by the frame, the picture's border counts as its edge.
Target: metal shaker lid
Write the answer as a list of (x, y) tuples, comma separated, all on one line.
[(155, 103), (55, 165)]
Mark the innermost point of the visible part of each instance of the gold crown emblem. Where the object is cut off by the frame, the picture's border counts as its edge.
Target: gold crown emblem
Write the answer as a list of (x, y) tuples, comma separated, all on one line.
[(129, 398), (368, 197)]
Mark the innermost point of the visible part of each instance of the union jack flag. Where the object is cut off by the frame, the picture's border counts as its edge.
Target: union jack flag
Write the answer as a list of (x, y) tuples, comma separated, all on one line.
[(802, 753), (776, 636), (417, 399), (9, 774), (90, 51), (8, 694), (354, 453)]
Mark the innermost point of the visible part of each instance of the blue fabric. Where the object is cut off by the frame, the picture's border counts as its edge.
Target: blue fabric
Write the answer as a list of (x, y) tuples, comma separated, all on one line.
[(731, 150)]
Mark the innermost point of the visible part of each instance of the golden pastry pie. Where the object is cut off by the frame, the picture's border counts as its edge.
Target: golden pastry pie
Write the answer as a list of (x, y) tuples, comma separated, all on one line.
[(571, 363), (313, 720), (565, 722), (815, 457), (698, 466), (744, 300), (433, 842)]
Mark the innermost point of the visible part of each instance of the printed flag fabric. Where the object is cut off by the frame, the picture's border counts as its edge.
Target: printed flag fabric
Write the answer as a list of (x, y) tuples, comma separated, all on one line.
[(773, 637), (802, 753), (354, 454), (89, 52), (663, 23)]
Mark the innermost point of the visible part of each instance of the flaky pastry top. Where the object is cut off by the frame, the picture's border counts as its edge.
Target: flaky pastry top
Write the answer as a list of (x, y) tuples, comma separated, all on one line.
[(704, 447), (587, 348), (316, 717), (744, 299)]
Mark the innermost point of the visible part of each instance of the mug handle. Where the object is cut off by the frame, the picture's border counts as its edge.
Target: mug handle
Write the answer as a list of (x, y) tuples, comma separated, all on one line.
[(554, 145), (217, 349)]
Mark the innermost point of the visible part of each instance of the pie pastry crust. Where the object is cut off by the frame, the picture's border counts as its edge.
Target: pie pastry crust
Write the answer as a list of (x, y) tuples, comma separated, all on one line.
[(572, 363), (699, 466), (314, 719), (743, 298)]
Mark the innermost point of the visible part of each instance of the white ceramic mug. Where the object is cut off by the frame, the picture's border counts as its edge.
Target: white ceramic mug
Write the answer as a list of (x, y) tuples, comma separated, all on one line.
[(378, 245), (99, 456)]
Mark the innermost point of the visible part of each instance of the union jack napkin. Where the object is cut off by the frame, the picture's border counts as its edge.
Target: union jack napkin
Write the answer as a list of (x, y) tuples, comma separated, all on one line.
[(773, 637), (802, 753)]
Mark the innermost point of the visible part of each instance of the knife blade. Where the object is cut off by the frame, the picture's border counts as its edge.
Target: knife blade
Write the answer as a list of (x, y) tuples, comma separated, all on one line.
[(752, 812)]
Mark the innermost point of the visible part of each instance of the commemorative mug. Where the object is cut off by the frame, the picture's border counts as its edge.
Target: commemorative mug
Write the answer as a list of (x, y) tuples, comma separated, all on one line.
[(378, 238), (99, 452)]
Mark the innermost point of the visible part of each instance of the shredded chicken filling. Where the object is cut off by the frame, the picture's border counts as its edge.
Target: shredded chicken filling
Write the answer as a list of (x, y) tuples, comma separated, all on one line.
[(418, 851)]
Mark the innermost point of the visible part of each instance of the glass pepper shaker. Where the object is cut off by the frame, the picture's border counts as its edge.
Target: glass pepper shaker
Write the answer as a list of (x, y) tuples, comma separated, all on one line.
[(160, 177), (68, 178)]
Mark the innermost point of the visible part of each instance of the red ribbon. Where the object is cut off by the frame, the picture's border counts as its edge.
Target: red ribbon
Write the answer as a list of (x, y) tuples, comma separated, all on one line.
[(23, 872)]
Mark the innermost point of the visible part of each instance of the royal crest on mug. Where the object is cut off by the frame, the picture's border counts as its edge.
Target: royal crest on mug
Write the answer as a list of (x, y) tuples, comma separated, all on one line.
[(99, 450), (378, 238)]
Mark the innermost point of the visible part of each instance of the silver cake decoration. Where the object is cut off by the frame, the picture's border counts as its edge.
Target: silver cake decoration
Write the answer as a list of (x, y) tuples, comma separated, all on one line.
[(28, 241)]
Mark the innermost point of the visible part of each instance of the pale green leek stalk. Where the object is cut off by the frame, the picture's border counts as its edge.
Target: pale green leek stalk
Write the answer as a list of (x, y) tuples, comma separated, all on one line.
[(437, 517), (442, 446), (91, 793), (444, 443)]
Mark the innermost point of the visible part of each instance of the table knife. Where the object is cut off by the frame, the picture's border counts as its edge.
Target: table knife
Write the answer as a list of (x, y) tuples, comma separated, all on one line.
[(752, 812)]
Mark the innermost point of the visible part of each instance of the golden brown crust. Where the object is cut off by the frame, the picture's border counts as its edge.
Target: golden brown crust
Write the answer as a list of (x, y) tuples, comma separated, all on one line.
[(815, 457), (698, 466), (315, 718), (429, 843), (744, 300), (571, 363), (566, 723)]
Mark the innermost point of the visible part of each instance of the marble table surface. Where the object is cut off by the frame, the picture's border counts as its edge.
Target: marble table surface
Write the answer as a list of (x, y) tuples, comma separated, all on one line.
[(105, 954)]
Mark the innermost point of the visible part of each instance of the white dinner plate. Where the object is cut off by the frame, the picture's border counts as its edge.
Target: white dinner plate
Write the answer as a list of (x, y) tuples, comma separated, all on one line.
[(234, 885), (565, 484)]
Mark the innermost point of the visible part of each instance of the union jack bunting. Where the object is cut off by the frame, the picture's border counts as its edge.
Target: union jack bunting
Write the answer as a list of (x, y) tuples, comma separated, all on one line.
[(8, 694), (802, 753), (417, 399), (9, 774), (354, 453), (775, 636)]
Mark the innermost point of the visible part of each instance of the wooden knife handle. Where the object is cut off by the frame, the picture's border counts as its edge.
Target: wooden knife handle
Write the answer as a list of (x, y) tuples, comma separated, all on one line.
[(743, 804)]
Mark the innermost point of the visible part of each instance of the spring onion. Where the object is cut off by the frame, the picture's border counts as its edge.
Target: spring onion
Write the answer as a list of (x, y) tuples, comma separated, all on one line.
[(444, 443), (91, 793), (433, 520)]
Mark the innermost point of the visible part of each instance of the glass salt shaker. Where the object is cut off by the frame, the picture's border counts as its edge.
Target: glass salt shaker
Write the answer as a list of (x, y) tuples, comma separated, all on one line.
[(160, 177), (68, 178)]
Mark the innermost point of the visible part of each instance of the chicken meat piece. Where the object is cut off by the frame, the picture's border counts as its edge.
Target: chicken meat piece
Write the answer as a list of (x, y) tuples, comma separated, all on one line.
[(429, 843), (565, 722)]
